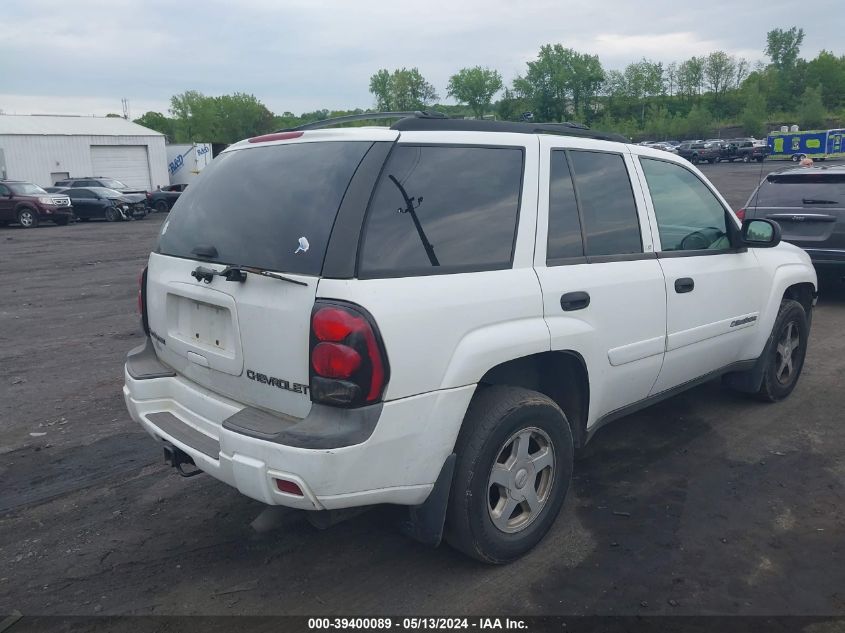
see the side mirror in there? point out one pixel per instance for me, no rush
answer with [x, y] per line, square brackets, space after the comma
[758, 233]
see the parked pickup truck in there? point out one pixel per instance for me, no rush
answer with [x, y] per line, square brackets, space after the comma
[700, 152]
[748, 150]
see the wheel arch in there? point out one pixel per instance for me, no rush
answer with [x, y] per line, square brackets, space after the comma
[560, 375]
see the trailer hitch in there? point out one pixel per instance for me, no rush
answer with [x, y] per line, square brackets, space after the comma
[178, 458]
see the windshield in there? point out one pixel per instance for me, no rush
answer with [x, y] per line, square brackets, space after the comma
[267, 207]
[25, 188]
[111, 183]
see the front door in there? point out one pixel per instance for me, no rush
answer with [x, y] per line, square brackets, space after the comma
[603, 291]
[714, 291]
[85, 204]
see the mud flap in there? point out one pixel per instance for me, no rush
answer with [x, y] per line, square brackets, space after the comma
[424, 522]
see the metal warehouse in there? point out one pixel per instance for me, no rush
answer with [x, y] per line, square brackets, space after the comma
[44, 149]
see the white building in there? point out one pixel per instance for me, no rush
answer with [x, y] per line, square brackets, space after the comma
[44, 149]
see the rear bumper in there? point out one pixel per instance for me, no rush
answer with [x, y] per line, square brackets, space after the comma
[398, 462]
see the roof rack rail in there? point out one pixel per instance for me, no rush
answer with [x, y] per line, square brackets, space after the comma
[365, 116]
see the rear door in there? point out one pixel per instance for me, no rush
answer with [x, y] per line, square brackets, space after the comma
[7, 204]
[603, 290]
[810, 208]
[270, 206]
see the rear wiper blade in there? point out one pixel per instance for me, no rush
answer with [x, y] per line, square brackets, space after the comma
[238, 273]
[815, 201]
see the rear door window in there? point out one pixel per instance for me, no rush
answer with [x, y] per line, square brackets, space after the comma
[608, 210]
[443, 209]
[564, 238]
[269, 207]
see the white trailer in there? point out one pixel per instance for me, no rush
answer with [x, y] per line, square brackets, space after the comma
[186, 161]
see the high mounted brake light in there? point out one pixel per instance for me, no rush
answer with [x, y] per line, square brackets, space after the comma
[348, 365]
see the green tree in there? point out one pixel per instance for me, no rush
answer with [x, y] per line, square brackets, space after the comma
[195, 117]
[380, 88]
[828, 71]
[753, 117]
[475, 87]
[158, 122]
[719, 73]
[402, 90]
[560, 81]
[811, 111]
[783, 47]
[691, 77]
[241, 116]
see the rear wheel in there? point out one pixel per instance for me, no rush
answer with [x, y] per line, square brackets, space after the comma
[513, 469]
[786, 351]
[760, 160]
[28, 218]
[161, 206]
[746, 158]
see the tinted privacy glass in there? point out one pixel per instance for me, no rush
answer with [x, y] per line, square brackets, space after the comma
[689, 216]
[802, 192]
[564, 238]
[255, 206]
[80, 193]
[607, 204]
[443, 209]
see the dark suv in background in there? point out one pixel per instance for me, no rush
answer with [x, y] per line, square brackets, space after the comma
[809, 205]
[98, 181]
[28, 205]
[700, 152]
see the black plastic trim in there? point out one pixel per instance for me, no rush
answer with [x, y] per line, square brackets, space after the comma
[743, 365]
[342, 250]
[700, 253]
[324, 427]
[425, 522]
[143, 364]
[178, 430]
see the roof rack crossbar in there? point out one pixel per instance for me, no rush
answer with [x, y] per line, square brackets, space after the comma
[364, 116]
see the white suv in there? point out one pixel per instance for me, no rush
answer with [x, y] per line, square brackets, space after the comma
[436, 314]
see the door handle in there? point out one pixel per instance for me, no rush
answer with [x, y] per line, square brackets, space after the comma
[574, 301]
[684, 284]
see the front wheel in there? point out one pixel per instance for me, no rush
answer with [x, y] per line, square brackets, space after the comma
[28, 218]
[112, 215]
[513, 469]
[786, 350]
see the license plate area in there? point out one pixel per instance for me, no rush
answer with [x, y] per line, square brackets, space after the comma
[204, 325]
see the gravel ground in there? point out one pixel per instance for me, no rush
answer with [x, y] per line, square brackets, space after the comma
[705, 504]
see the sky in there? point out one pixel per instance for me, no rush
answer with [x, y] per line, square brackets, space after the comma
[83, 57]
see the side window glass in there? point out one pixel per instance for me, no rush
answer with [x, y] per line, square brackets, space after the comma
[608, 210]
[440, 209]
[4, 190]
[689, 216]
[564, 238]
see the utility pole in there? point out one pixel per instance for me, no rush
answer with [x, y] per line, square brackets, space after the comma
[125, 103]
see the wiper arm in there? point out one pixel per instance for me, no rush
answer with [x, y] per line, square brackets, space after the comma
[238, 273]
[814, 201]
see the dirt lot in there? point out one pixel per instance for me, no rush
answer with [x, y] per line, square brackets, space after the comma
[705, 504]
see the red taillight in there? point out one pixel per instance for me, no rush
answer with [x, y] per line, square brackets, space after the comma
[741, 214]
[348, 363]
[279, 136]
[332, 360]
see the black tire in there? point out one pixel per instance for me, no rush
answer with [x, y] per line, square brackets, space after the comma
[161, 206]
[28, 218]
[712, 161]
[84, 219]
[495, 417]
[112, 215]
[61, 221]
[694, 159]
[776, 384]
[746, 158]
[760, 160]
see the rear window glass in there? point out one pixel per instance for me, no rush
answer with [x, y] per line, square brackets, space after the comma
[801, 191]
[269, 207]
[564, 239]
[441, 209]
